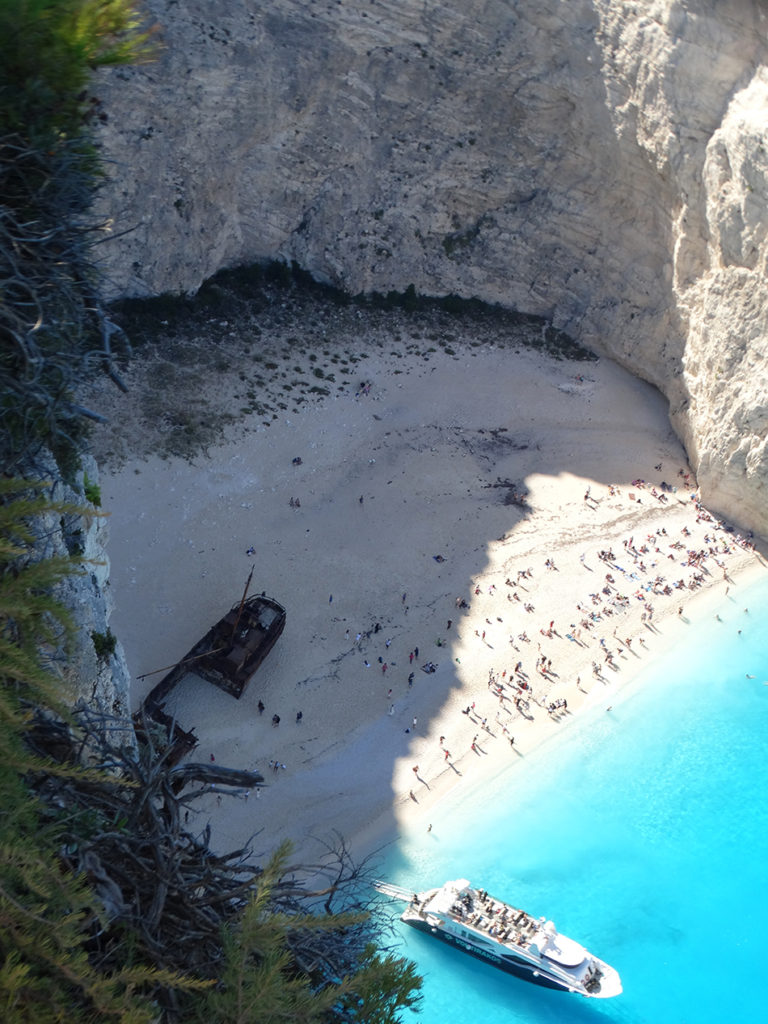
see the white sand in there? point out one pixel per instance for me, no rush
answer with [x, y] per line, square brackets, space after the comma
[424, 449]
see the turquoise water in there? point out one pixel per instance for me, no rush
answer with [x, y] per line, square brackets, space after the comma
[643, 834]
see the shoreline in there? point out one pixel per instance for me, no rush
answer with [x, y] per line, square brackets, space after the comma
[374, 836]
[436, 464]
[371, 837]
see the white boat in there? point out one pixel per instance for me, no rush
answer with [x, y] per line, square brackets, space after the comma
[506, 937]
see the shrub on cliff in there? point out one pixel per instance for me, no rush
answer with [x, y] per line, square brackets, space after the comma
[53, 328]
[46, 910]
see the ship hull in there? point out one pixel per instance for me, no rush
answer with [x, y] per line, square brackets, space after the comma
[228, 656]
[261, 620]
[508, 938]
[507, 963]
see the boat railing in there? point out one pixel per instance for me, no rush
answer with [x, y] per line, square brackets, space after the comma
[395, 892]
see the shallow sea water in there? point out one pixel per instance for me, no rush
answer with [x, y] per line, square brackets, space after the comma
[643, 833]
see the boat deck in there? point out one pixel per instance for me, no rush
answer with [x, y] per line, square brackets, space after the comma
[502, 933]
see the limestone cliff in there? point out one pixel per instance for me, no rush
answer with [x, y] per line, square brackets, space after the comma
[598, 162]
[98, 679]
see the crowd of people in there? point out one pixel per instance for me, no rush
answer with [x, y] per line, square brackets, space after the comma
[623, 599]
[610, 621]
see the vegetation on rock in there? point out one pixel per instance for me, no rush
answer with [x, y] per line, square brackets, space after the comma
[54, 330]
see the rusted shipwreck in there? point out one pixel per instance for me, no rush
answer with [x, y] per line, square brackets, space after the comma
[228, 656]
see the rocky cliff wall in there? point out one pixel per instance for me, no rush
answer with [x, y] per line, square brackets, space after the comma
[98, 680]
[601, 163]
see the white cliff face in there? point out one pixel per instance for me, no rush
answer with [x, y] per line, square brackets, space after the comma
[726, 364]
[596, 162]
[98, 681]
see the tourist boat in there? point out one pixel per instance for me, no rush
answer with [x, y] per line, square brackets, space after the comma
[506, 937]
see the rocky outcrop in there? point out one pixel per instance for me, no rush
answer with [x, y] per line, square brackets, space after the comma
[600, 163]
[93, 669]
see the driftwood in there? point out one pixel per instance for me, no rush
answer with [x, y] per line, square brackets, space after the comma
[164, 884]
[216, 775]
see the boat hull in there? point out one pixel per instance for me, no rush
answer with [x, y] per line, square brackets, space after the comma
[489, 929]
[507, 963]
[260, 622]
[228, 656]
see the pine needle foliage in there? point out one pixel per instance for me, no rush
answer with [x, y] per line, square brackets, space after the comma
[261, 983]
[50, 50]
[32, 621]
[46, 911]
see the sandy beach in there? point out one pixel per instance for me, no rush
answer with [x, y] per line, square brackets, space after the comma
[448, 508]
